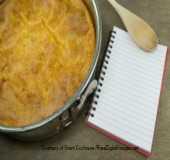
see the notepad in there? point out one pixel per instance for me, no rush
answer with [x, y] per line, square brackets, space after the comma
[126, 101]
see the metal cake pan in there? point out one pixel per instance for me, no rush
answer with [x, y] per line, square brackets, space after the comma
[68, 113]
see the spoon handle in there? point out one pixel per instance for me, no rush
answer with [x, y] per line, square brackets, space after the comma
[117, 6]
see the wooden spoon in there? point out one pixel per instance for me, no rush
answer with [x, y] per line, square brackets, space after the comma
[139, 30]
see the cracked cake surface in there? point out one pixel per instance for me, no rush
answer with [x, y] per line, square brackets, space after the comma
[46, 50]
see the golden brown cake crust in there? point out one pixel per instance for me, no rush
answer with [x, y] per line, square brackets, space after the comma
[46, 49]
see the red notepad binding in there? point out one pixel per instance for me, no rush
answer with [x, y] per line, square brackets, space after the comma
[118, 139]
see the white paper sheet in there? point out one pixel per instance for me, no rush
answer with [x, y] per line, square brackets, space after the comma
[129, 98]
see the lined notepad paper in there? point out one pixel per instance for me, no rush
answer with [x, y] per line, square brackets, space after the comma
[127, 98]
